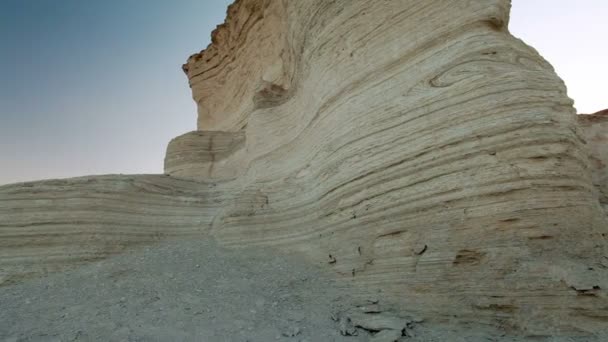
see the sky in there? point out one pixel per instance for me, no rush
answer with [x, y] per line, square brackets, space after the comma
[96, 87]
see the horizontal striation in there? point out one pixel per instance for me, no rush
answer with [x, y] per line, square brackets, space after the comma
[414, 147]
[49, 225]
[595, 131]
[205, 155]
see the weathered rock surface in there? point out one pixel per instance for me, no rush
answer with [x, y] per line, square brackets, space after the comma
[414, 147]
[595, 128]
[420, 146]
[49, 225]
[205, 155]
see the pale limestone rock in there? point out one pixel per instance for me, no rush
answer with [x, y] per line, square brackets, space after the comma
[207, 156]
[595, 129]
[49, 225]
[247, 56]
[420, 146]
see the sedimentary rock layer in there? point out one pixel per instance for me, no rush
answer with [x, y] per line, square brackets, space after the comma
[48, 225]
[256, 31]
[595, 128]
[416, 146]
[205, 155]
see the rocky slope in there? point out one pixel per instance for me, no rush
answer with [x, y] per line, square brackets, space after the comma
[412, 147]
[178, 291]
[186, 291]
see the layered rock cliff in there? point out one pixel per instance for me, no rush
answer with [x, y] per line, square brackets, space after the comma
[414, 147]
[49, 225]
[595, 128]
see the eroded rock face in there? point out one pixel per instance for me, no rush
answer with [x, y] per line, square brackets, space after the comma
[247, 56]
[414, 147]
[50, 225]
[206, 156]
[595, 128]
[419, 144]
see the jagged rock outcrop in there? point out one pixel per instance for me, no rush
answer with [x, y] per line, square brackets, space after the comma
[595, 128]
[414, 147]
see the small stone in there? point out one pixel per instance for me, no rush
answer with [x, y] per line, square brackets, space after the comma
[604, 262]
[372, 308]
[377, 322]
[295, 331]
[347, 328]
[386, 336]
[416, 319]
[373, 300]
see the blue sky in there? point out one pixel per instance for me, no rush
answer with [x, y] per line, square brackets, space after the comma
[96, 87]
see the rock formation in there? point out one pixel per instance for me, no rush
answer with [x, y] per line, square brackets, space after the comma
[415, 147]
[48, 225]
[595, 128]
[205, 155]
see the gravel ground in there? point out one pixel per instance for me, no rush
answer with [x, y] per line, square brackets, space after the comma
[178, 291]
[197, 291]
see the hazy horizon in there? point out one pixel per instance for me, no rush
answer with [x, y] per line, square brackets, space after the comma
[92, 88]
